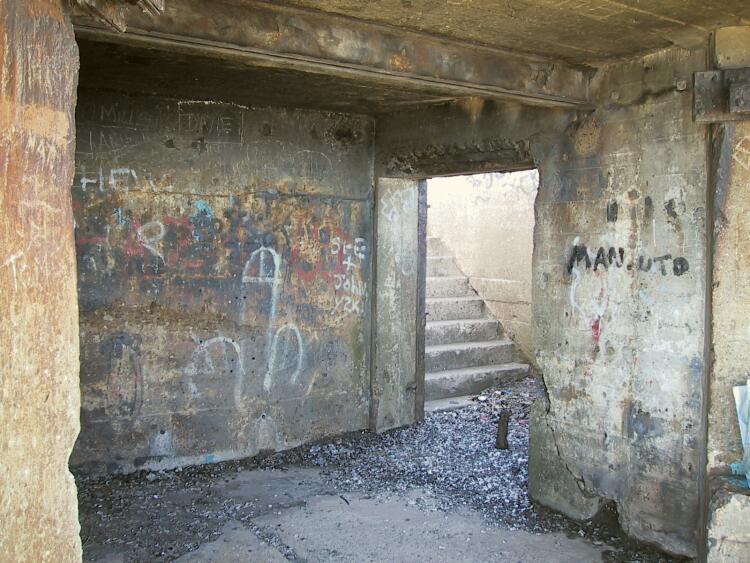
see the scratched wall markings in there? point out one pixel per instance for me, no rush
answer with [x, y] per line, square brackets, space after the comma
[235, 243]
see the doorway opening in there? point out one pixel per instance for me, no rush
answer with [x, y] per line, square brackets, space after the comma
[480, 231]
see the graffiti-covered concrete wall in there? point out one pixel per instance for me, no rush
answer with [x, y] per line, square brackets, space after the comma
[619, 284]
[224, 267]
[620, 304]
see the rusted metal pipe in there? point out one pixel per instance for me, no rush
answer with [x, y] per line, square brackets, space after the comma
[501, 442]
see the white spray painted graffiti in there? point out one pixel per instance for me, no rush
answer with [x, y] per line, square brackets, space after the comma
[349, 289]
[202, 364]
[395, 204]
[576, 273]
[85, 181]
[351, 251]
[398, 205]
[121, 174]
[592, 307]
[269, 274]
[281, 353]
[151, 235]
[266, 274]
[349, 284]
[285, 346]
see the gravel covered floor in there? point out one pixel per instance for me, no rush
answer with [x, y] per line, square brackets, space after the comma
[450, 461]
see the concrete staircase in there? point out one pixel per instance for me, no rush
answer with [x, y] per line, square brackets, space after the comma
[465, 351]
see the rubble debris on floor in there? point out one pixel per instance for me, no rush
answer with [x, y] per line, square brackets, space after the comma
[439, 488]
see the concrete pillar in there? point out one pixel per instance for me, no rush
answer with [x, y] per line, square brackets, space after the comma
[39, 395]
[729, 505]
[397, 379]
[731, 286]
[619, 301]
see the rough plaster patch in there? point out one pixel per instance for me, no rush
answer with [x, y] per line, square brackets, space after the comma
[586, 136]
[729, 532]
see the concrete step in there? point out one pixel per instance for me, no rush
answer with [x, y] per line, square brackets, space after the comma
[452, 308]
[436, 247]
[471, 381]
[461, 330]
[467, 354]
[449, 404]
[449, 286]
[442, 266]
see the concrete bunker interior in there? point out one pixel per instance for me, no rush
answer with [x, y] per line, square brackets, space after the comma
[243, 248]
[226, 243]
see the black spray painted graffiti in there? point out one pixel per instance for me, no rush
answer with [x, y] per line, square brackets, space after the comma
[616, 257]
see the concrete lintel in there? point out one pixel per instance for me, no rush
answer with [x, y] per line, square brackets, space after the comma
[280, 37]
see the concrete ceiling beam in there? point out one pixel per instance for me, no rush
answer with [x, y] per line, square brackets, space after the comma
[114, 13]
[265, 35]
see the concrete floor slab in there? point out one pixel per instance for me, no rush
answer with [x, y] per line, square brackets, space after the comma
[237, 544]
[438, 491]
[361, 528]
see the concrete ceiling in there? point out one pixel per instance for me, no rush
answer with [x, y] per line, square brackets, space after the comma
[381, 56]
[577, 31]
[152, 72]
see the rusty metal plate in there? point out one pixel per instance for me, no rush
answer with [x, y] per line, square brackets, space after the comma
[722, 95]
[739, 98]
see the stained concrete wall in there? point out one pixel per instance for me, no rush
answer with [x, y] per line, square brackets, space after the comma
[487, 221]
[619, 304]
[731, 282]
[728, 533]
[398, 372]
[728, 537]
[619, 274]
[224, 265]
[39, 401]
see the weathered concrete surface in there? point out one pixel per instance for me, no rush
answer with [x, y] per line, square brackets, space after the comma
[224, 258]
[728, 530]
[487, 222]
[731, 47]
[370, 529]
[278, 37]
[619, 304]
[466, 137]
[396, 381]
[39, 400]
[619, 334]
[729, 508]
[237, 544]
[299, 516]
[584, 31]
[198, 76]
[113, 13]
[731, 283]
